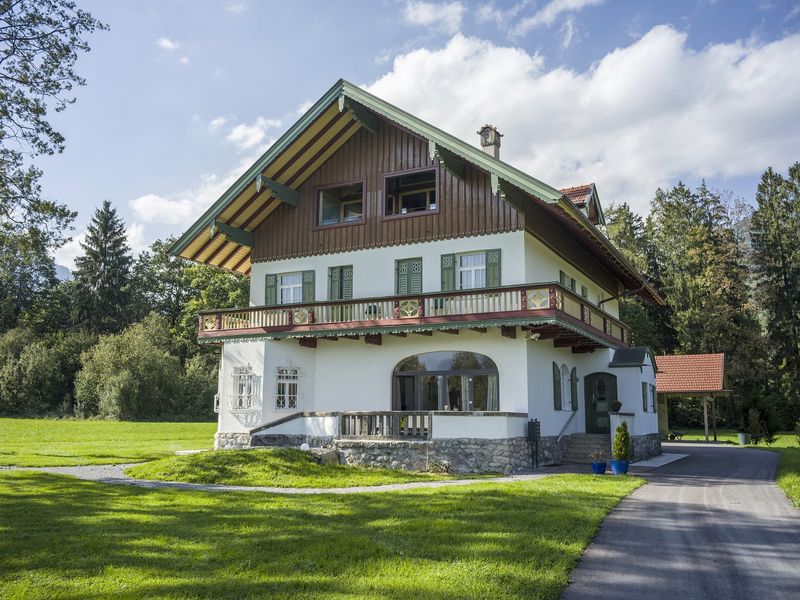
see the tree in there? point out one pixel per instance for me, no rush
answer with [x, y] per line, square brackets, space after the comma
[26, 273]
[136, 375]
[649, 324]
[40, 41]
[776, 259]
[103, 274]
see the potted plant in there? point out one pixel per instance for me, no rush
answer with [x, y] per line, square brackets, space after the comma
[598, 462]
[621, 450]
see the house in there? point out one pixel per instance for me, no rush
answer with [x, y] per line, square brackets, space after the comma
[698, 377]
[416, 300]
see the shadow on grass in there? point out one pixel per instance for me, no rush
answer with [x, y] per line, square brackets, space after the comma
[63, 537]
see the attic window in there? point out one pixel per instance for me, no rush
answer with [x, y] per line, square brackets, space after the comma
[341, 204]
[410, 193]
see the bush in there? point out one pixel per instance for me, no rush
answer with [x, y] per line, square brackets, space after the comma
[621, 449]
[131, 375]
[37, 375]
[757, 428]
[198, 388]
[797, 431]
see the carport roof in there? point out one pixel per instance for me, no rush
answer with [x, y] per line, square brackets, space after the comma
[691, 374]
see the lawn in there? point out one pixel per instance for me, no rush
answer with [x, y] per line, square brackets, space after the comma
[43, 442]
[65, 538]
[785, 443]
[284, 467]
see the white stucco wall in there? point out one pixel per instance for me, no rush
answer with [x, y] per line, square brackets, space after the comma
[477, 427]
[542, 264]
[352, 375]
[373, 269]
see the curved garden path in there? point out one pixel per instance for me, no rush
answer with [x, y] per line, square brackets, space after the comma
[115, 474]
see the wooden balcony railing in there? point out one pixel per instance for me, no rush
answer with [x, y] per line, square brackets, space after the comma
[534, 300]
[387, 425]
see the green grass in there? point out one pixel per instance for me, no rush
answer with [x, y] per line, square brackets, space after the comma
[43, 442]
[65, 538]
[284, 467]
[786, 444]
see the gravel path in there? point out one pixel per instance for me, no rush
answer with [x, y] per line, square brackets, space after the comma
[713, 525]
[115, 474]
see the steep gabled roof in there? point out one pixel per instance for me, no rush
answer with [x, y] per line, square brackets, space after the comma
[223, 236]
[690, 374]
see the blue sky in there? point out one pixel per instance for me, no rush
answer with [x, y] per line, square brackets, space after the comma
[183, 95]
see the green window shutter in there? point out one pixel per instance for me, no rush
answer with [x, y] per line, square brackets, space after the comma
[653, 398]
[415, 276]
[562, 278]
[644, 396]
[573, 385]
[448, 272]
[308, 286]
[401, 277]
[585, 292]
[556, 387]
[271, 290]
[334, 283]
[347, 282]
[493, 268]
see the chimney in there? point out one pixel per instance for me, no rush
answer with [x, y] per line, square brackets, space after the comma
[490, 140]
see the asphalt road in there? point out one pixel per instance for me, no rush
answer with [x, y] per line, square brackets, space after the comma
[713, 525]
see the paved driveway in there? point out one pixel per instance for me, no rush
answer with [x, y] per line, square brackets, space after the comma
[713, 525]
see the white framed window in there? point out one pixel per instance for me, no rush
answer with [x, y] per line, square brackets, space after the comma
[471, 270]
[290, 288]
[245, 385]
[286, 385]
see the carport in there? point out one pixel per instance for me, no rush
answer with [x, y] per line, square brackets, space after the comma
[698, 377]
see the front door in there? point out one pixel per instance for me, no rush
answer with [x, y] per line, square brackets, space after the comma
[601, 392]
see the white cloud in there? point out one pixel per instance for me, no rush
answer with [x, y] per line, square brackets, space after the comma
[641, 117]
[67, 254]
[548, 14]
[235, 8]
[445, 17]
[568, 32]
[246, 136]
[183, 207]
[303, 108]
[136, 237]
[184, 60]
[167, 44]
[216, 123]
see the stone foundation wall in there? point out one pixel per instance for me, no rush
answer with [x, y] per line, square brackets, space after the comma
[231, 441]
[293, 440]
[460, 455]
[552, 451]
[645, 446]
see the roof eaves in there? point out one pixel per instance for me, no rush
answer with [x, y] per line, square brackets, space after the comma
[258, 166]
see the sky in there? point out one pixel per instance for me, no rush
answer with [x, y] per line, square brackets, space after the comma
[183, 95]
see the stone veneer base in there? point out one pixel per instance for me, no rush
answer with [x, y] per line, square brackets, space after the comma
[645, 446]
[459, 455]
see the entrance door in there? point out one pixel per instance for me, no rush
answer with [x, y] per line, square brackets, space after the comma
[601, 392]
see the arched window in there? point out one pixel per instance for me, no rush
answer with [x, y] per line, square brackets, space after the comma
[459, 381]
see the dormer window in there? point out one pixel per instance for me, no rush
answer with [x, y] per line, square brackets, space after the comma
[410, 193]
[341, 204]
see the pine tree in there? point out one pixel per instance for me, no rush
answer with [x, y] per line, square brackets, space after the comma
[102, 274]
[776, 259]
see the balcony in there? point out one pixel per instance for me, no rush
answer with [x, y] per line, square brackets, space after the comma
[544, 311]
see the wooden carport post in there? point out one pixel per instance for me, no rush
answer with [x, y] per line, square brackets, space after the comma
[705, 415]
[714, 417]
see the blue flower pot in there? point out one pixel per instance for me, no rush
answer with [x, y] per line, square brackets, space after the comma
[598, 468]
[619, 467]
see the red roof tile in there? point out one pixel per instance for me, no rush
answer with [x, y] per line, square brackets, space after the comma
[579, 194]
[690, 373]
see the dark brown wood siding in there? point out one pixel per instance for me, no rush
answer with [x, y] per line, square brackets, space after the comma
[466, 207]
